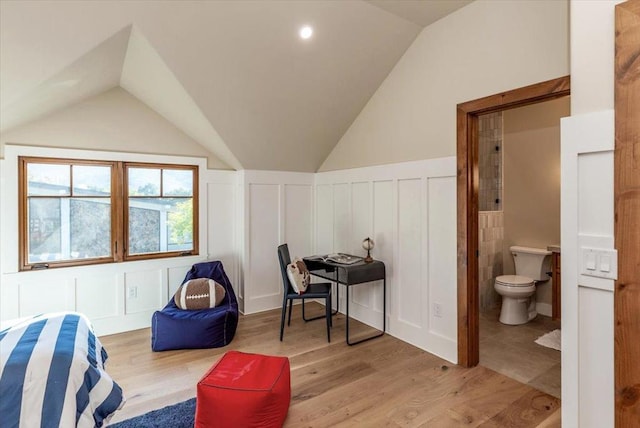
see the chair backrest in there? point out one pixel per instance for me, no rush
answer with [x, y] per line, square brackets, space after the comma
[215, 271]
[285, 259]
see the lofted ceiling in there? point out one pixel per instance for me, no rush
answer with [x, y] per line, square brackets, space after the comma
[232, 75]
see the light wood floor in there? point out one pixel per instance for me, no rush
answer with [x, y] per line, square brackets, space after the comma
[383, 382]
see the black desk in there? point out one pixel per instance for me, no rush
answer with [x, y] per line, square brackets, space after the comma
[349, 275]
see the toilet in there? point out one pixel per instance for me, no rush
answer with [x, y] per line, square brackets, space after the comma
[518, 291]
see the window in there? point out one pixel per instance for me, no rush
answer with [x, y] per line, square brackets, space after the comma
[77, 212]
[159, 209]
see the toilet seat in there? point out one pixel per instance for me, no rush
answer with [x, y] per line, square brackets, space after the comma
[514, 281]
[516, 292]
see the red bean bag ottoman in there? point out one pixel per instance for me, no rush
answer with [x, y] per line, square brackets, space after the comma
[244, 390]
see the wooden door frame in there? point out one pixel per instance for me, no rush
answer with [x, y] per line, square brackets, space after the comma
[467, 200]
[626, 192]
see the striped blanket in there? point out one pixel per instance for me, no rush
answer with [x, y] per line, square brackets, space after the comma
[52, 374]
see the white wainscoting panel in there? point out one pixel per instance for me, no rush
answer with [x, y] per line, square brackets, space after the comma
[442, 244]
[99, 292]
[175, 276]
[298, 219]
[222, 222]
[324, 227]
[341, 217]
[144, 291]
[278, 209]
[56, 295]
[595, 181]
[587, 302]
[97, 296]
[362, 215]
[360, 228]
[595, 308]
[384, 215]
[264, 209]
[408, 209]
[411, 301]
[324, 219]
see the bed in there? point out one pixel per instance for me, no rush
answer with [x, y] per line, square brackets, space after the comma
[52, 374]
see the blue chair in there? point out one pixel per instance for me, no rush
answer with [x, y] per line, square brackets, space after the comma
[175, 328]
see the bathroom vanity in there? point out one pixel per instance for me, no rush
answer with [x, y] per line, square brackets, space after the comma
[556, 282]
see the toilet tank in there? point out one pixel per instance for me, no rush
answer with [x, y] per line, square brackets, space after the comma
[533, 263]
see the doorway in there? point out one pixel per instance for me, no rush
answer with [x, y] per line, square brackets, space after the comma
[519, 206]
[468, 203]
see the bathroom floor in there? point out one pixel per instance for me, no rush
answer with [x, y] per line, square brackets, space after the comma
[511, 351]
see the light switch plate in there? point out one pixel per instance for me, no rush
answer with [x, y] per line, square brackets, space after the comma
[590, 259]
[599, 262]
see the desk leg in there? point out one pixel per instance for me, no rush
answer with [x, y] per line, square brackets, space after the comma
[384, 303]
[384, 315]
[337, 311]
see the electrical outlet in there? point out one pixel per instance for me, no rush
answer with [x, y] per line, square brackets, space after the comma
[133, 292]
[437, 310]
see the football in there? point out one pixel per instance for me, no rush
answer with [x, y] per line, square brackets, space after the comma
[199, 293]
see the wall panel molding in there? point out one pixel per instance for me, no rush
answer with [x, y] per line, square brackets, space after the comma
[393, 204]
[587, 220]
[278, 208]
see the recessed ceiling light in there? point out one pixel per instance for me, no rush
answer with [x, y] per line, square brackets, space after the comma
[306, 32]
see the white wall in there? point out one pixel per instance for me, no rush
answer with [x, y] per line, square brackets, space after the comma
[481, 49]
[408, 209]
[105, 292]
[278, 209]
[587, 218]
[114, 121]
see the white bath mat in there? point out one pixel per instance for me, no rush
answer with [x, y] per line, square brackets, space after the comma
[550, 340]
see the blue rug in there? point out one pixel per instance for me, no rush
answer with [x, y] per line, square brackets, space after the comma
[181, 415]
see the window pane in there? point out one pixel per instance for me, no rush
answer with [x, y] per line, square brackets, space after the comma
[48, 180]
[143, 181]
[177, 182]
[90, 227]
[144, 226]
[44, 230]
[69, 229]
[160, 225]
[91, 180]
[180, 225]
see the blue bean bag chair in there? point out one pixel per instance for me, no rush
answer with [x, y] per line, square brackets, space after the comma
[175, 328]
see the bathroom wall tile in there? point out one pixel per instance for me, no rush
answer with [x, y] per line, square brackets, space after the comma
[490, 161]
[490, 258]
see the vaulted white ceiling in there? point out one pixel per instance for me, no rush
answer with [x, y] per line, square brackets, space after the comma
[233, 75]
